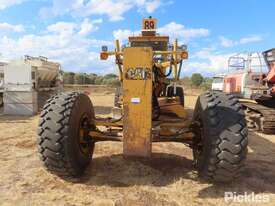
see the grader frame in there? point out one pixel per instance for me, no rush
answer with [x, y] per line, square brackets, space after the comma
[136, 65]
[149, 109]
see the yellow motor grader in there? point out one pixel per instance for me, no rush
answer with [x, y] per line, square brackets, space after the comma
[149, 108]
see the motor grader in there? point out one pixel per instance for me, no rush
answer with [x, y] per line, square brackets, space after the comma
[149, 109]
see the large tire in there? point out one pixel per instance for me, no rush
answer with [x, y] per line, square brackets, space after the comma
[1, 100]
[59, 145]
[220, 143]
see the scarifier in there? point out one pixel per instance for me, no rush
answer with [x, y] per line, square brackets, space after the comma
[149, 108]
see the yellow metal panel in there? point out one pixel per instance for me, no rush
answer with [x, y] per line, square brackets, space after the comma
[148, 38]
[172, 106]
[175, 109]
[137, 101]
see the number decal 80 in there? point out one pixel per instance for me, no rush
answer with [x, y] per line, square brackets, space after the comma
[149, 24]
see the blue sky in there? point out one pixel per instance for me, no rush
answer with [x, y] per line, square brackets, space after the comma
[72, 31]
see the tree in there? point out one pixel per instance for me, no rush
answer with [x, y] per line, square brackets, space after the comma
[68, 77]
[207, 82]
[79, 78]
[111, 82]
[110, 76]
[196, 79]
[92, 78]
[99, 80]
[186, 81]
[84, 78]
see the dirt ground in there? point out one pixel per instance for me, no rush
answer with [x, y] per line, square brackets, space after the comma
[167, 179]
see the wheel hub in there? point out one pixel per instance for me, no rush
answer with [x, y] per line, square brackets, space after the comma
[83, 138]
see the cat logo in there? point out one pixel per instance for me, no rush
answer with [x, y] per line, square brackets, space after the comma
[138, 73]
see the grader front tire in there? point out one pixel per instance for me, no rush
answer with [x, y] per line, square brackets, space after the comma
[61, 134]
[220, 145]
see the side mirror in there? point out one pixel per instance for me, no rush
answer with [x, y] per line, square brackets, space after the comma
[183, 47]
[104, 48]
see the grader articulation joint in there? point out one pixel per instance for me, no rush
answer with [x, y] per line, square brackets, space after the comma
[149, 108]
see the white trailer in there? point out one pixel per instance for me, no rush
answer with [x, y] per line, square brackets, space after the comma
[29, 82]
[218, 82]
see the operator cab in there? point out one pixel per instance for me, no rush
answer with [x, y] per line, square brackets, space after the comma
[269, 55]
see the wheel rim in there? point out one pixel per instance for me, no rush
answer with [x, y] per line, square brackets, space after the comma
[84, 140]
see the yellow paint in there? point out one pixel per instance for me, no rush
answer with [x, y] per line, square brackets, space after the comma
[175, 56]
[118, 59]
[172, 105]
[135, 65]
[137, 118]
[171, 128]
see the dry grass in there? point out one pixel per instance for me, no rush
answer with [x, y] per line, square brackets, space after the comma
[166, 179]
